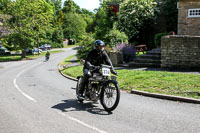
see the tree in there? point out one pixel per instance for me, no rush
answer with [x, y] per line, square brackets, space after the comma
[57, 4]
[74, 26]
[71, 6]
[4, 4]
[30, 19]
[102, 22]
[88, 18]
[57, 36]
[133, 14]
[85, 45]
[60, 17]
[170, 12]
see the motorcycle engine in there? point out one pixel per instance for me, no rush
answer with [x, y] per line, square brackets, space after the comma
[94, 91]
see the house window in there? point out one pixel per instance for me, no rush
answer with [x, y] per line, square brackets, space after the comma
[194, 13]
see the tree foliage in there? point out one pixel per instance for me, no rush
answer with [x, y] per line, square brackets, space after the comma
[115, 37]
[102, 22]
[88, 17]
[4, 4]
[47, 21]
[170, 12]
[30, 19]
[133, 14]
[74, 26]
[60, 18]
[71, 7]
[57, 4]
[86, 45]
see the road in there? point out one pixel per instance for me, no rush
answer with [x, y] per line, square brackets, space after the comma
[35, 98]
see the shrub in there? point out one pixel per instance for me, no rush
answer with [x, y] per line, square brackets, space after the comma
[115, 37]
[129, 51]
[157, 39]
[57, 35]
[56, 45]
[85, 46]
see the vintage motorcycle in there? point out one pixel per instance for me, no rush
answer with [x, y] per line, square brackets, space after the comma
[101, 86]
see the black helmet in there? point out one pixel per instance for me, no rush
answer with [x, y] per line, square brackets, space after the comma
[98, 43]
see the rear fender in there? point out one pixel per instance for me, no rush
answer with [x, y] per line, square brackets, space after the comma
[78, 77]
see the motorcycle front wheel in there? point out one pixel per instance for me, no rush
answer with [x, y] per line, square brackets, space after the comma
[110, 96]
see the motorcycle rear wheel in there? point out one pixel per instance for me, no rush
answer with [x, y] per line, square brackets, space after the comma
[110, 96]
[78, 88]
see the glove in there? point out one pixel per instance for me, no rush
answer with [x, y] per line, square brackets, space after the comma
[97, 67]
[114, 72]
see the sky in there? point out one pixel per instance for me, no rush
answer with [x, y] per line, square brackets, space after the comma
[87, 4]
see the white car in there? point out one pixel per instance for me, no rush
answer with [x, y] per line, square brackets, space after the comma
[45, 47]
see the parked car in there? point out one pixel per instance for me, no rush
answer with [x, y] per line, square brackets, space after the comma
[45, 47]
[36, 51]
[4, 51]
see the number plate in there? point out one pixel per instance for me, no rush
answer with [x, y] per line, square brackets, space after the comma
[106, 71]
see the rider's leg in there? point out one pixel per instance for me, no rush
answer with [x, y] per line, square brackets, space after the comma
[86, 76]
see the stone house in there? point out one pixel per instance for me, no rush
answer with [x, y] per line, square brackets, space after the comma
[183, 50]
[189, 17]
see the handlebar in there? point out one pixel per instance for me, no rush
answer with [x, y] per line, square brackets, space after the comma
[107, 66]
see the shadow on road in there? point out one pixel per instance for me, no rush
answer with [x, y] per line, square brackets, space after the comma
[74, 105]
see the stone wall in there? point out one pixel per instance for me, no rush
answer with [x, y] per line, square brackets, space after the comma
[188, 25]
[116, 58]
[180, 51]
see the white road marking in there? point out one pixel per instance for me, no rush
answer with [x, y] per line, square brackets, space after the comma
[82, 123]
[17, 87]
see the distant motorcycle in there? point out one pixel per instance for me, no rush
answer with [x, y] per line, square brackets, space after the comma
[46, 58]
[47, 55]
[101, 86]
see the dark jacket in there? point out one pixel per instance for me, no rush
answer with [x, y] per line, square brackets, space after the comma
[96, 58]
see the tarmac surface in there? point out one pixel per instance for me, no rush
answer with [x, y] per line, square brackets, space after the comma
[155, 95]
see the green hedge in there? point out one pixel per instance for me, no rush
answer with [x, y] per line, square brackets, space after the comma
[157, 38]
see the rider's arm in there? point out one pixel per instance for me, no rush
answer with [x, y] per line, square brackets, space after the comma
[88, 64]
[107, 60]
[88, 60]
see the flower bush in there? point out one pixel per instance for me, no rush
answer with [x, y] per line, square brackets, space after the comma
[129, 51]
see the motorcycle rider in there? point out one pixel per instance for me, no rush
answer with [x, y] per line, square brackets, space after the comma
[47, 55]
[94, 59]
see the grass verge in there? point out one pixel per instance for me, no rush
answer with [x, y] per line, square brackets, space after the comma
[178, 84]
[68, 60]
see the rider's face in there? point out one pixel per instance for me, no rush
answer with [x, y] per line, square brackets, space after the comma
[100, 48]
